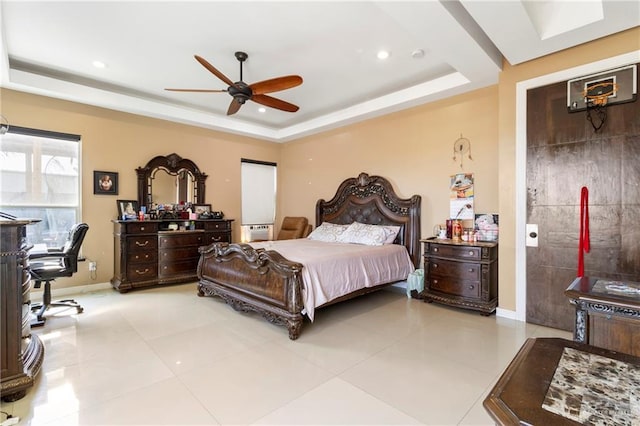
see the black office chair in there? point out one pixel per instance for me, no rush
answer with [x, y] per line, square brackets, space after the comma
[56, 263]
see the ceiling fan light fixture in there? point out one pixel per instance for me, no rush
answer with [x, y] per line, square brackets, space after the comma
[242, 92]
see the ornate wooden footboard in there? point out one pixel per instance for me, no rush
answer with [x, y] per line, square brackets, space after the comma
[265, 282]
[253, 280]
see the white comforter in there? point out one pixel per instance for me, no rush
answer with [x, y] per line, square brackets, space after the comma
[332, 270]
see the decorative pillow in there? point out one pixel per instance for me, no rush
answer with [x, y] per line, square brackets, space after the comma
[371, 235]
[393, 233]
[328, 232]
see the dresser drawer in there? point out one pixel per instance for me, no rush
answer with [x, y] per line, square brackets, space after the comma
[142, 271]
[457, 252]
[149, 242]
[217, 225]
[179, 268]
[217, 237]
[182, 239]
[178, 254]
[455, 287]
[142, 227]
[455, 270]
[143, 256]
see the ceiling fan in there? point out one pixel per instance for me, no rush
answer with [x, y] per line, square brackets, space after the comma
[242, 92]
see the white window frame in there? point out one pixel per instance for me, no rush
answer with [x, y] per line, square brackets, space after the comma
[54, 227]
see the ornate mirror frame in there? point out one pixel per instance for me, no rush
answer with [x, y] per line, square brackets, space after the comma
[173, 163]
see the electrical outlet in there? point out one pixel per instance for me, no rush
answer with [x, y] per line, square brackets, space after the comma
[92, 266]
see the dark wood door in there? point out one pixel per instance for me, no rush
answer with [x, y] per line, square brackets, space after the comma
[564, 153]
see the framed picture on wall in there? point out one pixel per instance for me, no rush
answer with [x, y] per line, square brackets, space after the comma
[105, 183]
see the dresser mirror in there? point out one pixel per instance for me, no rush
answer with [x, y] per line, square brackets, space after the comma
[170, 179]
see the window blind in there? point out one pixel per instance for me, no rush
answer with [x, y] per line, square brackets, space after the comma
[258, 182]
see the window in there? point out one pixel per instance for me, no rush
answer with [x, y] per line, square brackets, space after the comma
[258, 192]
[40, 178]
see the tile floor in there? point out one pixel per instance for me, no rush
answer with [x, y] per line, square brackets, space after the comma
[167, 357]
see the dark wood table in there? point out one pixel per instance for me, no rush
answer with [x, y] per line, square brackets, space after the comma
[517, 397]
[606, 315]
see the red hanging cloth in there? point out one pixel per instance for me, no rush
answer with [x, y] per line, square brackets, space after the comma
[583, 245]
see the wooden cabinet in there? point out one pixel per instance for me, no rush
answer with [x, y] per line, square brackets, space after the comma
[21, 353]
[461, 274]
[148, 253]
[607, 313]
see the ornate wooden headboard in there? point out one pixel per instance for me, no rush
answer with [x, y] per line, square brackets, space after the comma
[372, 200]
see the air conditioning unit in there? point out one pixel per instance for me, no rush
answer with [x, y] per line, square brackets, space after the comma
[251, 233]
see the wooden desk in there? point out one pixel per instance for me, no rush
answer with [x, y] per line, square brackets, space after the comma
[606, 316]
[518, 395]
[21, 353]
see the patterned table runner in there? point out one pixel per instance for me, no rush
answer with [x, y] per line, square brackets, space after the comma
[594, 390]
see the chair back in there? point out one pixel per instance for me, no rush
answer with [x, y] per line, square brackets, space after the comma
[293, 227]
[71, 248]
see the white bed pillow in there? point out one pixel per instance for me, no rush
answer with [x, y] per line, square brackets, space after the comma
[371, 235]
[327, 232]
[393, 233]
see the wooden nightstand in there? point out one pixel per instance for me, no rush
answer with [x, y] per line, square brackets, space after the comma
[461, 274]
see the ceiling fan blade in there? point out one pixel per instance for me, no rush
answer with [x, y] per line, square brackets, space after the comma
[233, 107]
[276, 84]
[213, 70]
[196, 90]
[274, 103]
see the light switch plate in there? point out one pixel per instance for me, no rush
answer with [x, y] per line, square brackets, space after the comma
[532, 235]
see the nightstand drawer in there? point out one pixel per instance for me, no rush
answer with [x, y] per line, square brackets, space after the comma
[457, 252]
[454, 287]
[455, 270]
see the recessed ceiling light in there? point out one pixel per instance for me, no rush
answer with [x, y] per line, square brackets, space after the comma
[417, 54]
[99, 64]
[383, 54]
[262, 109]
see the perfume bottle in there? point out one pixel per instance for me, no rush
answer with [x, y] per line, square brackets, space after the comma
[456, 230]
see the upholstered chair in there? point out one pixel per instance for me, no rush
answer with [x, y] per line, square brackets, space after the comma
[294, 227]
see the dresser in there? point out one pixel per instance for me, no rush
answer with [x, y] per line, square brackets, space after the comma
[151, 252]
[461, 274]
[21, 353]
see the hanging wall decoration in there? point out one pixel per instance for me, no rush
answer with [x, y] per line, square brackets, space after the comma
[461, 147]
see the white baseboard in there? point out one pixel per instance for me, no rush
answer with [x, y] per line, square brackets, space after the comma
[58, 293]
[506, 313]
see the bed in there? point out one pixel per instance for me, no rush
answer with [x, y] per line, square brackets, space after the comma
[257, 277]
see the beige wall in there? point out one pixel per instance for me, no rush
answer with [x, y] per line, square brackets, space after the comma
[121, 142]
[413, 148]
